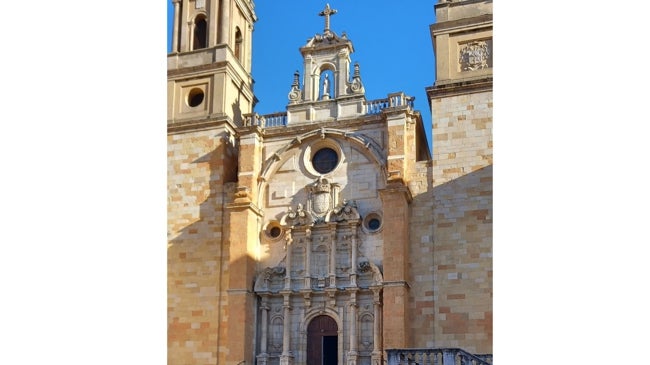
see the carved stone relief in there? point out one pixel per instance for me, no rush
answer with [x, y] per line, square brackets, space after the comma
[475, 55]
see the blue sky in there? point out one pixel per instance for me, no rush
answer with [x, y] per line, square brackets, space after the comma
[392, 45]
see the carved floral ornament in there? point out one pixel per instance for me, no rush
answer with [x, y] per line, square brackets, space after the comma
[474, 55]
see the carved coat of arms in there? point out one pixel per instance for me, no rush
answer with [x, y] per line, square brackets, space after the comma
[320, 197]
[474, 56]
[321, 203]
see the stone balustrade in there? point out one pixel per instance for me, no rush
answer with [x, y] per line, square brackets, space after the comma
[376, 106]
[266, 120]
[393, 100]
[437, 356]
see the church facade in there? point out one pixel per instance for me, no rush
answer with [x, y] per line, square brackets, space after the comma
[330, 233]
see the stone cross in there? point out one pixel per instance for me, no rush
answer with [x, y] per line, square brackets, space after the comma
[326, 13]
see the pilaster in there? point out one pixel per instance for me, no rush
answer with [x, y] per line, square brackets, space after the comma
[244, 226]
[396, 198]
[397, 125]
[250, 160]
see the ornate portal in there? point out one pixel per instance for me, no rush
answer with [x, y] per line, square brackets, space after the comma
[322, 279]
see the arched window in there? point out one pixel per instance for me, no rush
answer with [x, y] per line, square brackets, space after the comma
[238, 44]
[200, 32]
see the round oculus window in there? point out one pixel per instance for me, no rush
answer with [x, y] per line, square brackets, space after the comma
[195, 97]
[325, 160]
[275, 232]
[374, 224]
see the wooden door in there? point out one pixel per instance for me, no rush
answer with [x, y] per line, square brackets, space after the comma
[322, 341]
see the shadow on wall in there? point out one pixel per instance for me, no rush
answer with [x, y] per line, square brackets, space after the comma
[462, 236]
[197, 255]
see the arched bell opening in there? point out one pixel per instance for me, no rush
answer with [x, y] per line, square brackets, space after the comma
[200, 32]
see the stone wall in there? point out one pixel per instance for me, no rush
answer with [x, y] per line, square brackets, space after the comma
[421, 256]
[462, 213]
[199, 165]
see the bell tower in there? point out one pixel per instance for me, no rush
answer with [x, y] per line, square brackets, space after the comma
[209, 66]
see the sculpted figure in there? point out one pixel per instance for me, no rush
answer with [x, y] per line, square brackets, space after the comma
[326, 85]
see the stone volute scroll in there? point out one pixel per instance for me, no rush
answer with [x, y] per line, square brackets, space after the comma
[295, 94]
[347, 211]
[366, 266]
[356, 86]
[263, 281]
[298, 217]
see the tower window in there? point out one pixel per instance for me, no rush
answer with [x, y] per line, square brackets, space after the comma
[195, 97]
[238, 44]
[200, 32]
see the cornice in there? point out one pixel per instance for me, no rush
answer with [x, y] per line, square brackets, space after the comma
[481, 21]
[297, 129]
[459, 87]
[248, 9]
[192, 124]
[196, 70]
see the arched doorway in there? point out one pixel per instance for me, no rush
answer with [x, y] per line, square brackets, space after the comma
[322, 341]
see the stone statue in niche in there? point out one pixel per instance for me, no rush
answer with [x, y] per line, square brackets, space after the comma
[326, 87]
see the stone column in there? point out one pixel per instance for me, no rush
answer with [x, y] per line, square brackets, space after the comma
[213, 23]
[308, 246]
[286, 358]
[177, 18]
[190, 39]
[287, 276]
[262, 358]
[224, 28]
[184, 27]
[332, 273]
[376, 330]
[353, 262]
[352, 354]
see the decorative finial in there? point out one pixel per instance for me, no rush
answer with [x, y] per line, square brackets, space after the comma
[294, 93]
[326, 13]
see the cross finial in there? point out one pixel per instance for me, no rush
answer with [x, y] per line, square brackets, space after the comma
[326, 13]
